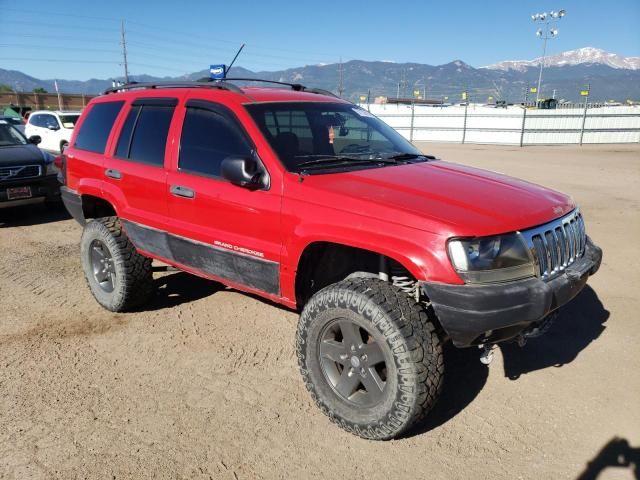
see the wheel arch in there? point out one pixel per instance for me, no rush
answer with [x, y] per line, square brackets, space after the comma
[321, 263]
[96, 207]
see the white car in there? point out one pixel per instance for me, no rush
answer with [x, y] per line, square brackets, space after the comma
[53, 127]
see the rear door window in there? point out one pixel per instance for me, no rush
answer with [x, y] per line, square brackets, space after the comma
[144, 134]
[97, 125]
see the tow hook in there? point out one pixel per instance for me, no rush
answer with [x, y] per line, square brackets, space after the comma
[486, 357]
[537, 330]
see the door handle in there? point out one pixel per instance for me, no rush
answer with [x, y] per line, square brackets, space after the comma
[180, 191]
[110, 172]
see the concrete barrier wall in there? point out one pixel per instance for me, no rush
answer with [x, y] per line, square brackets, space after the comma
[513, 125]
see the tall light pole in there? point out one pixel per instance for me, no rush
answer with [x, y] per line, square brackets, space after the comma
[545, 33]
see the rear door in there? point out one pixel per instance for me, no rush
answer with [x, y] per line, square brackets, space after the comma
[135, 170]
[223, 230]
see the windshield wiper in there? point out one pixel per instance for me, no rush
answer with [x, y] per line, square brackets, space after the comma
[338, 159]
[409, 156]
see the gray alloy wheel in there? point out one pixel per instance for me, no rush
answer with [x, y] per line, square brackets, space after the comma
[352, 362]
[104, 272]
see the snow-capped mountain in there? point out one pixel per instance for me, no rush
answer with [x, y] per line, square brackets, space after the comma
[587, 55]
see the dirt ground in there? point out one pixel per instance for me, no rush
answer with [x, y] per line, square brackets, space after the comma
[204, 384]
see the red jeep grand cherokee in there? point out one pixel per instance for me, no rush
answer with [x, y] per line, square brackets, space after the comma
[312, 202]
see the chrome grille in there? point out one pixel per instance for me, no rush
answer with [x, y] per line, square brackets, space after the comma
[19, 171]
[557, 244]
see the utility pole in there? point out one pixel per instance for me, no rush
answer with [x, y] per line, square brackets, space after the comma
[424, 89]
[341, 80]
[124, 54]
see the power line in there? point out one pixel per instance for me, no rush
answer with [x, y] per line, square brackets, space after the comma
[53, 25]
[41, 47]
[155, 28]
[53, 37]
[58, 60]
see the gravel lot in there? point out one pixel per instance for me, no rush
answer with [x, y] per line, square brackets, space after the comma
[204, 384]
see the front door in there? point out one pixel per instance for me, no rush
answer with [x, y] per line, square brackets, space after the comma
[228, 232]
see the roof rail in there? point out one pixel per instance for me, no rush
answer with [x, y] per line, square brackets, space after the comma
[294, 86]
[212, 83]
[185, 84]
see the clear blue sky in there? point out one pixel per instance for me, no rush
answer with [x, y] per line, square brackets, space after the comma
[80, 39]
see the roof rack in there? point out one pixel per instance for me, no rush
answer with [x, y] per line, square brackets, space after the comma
[212, 83]
[186, 84]
[294, 86]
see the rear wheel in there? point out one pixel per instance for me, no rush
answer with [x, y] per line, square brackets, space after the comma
[370, 357]
[118, 276]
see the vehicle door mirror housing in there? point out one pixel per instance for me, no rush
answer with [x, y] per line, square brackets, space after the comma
[53, 128]
[35, 139]
[244, 171]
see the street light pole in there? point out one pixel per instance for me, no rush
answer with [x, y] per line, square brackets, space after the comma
[544, 56]
[545, 33]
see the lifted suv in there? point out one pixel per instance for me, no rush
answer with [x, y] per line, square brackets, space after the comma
[314, 203]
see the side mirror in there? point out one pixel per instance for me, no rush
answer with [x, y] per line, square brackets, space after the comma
[53, 128]
[243, 171]
[35, 139]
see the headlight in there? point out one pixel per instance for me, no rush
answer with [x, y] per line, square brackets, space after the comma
[491, 259]
[50, 169]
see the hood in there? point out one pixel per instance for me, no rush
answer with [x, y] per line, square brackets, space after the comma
[22, 155]
[441, 197]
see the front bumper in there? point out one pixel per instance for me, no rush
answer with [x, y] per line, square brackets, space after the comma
[474, 314]
[46, 187]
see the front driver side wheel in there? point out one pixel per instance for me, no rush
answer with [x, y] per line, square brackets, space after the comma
[370, 357]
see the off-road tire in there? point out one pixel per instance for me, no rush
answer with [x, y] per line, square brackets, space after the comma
[133, 282]
[409, 338]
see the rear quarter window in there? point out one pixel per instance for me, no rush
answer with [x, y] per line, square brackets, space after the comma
[97, 125]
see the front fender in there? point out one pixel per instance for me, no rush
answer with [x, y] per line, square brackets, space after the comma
[423, 254]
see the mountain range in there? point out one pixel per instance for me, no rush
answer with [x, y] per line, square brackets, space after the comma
[587, 55]
[610, 76]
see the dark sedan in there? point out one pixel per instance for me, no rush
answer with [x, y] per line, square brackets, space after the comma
[27, 174]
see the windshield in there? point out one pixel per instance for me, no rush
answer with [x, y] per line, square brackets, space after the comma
[69, 121]
[14, 120]
[306, 132]
[10, 136]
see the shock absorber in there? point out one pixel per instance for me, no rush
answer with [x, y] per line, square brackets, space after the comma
[400, 278]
